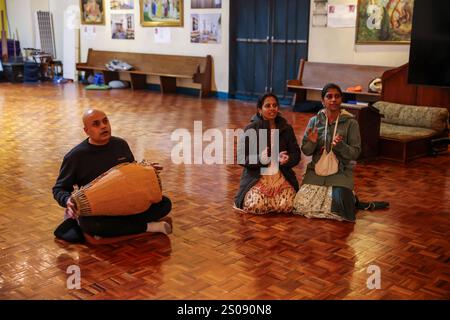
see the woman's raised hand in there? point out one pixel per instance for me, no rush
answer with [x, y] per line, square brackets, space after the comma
[312, 134]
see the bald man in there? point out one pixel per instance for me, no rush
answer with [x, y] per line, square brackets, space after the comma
[95, 155]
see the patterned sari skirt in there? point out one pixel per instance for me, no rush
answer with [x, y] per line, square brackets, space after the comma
[325, 202]
[272, 193]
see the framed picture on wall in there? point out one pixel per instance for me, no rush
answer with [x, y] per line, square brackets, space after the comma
[92, 11]
[206, 28]
[122, 26]
[206, 4]
[384, 21]
[121, 4]
[161, 13]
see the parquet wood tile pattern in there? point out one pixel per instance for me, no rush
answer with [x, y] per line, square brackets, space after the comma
[214, 252]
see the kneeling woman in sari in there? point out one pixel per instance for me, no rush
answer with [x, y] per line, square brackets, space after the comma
[269, 184]
[332, 133]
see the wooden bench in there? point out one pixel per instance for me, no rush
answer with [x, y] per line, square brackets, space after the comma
[314, 75]
[167, 67]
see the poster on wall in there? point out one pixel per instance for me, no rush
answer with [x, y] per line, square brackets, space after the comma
[341, 16]
[92, 11]
[121, 4]
[206, 4]
[384, 21]
[161, 13]
[122, 26]
[206, 28]
[90, 33]
[319, 14]
[162, 35]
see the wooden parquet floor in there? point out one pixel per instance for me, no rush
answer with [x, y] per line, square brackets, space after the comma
[214, 252]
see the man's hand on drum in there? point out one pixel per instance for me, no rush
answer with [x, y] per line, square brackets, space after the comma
[71, 209]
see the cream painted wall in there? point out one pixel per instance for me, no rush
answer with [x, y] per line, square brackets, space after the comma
[57, 7]
[21, 18]
[337, 45]
[66, 33]
[179, 45]
[22, 15]
[38, 5]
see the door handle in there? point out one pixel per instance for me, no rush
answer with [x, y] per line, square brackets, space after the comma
[252, 40]
[290, 41]
[259, 40]
[273, 40]
[297, 41]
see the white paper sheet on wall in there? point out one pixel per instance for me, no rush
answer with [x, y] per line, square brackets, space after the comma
[162, 35]
[90, 33]
[341, 15]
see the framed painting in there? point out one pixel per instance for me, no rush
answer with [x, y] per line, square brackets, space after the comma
[161, 13]
[384, 21]
[206, 28]
[122, 26]
[206, 4]
[92, 11]
[121, 4]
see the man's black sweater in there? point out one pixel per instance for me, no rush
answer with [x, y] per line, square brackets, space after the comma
[86, 162]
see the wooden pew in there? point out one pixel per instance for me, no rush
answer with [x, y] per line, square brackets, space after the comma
[314, 75]
[167, 67]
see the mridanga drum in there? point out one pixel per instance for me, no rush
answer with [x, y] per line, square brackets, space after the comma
[125, 189]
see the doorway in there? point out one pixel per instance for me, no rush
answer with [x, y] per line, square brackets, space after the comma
[267, 40]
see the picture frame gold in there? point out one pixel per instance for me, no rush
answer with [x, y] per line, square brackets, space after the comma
[159, 13]
[92, 12]
[384, 22]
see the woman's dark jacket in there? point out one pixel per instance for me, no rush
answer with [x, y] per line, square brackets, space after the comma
[252, 172]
